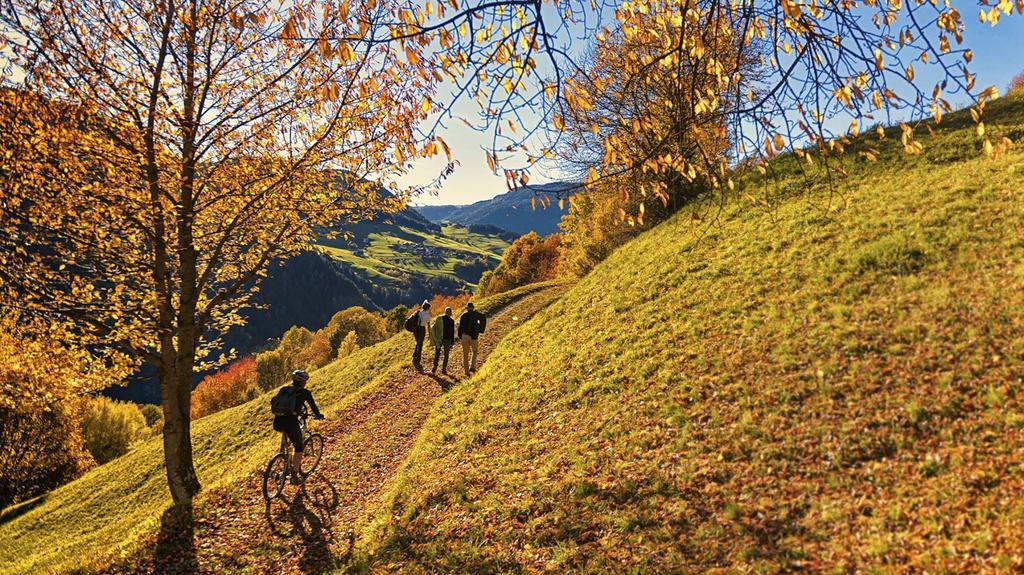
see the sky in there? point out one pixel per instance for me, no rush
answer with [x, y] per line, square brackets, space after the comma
[998, 57]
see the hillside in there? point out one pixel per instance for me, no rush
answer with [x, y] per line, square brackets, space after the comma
[831, 384]
[404, 263]
[374, 405]
[509, 211]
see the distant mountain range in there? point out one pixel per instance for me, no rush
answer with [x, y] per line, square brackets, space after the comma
[509, 211]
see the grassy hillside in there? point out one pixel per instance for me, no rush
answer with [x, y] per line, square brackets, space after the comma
[104, 514]
[389, 254]
[829, 384]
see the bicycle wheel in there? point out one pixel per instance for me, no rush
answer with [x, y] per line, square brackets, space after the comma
[312, 451]
[275, 476]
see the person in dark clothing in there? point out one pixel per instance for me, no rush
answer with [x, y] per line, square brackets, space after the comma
[471, 324]
[289, 424]
[442, 337]
[422, 325]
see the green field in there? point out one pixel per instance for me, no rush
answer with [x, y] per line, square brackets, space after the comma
[389, 254]
[824, 380]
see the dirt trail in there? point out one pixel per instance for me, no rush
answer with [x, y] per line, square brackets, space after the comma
[308, 529]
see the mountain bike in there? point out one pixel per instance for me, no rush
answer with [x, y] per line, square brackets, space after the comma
[275, 477]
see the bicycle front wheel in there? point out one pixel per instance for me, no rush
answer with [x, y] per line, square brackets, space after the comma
[275, 476]
[312, 451]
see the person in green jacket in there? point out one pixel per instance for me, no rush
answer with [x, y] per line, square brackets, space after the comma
[442, 337]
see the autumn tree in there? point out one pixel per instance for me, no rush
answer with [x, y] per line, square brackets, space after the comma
[529, 259]
[157, 155]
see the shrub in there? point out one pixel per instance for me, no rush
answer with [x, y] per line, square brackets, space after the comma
[110, 428]
[1017, 84]
[317, 353]
[39, 450]
[295, 340]
[529, 259]
[227, 388]
[154, 417]
[349, 345]
[456, 302]
[369, 327]
[394, 318]
[272, 369]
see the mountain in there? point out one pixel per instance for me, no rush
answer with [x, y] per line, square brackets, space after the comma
[509, 211]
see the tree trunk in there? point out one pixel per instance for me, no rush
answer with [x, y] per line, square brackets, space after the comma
[181, 473]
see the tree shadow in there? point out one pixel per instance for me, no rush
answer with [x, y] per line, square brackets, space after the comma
[175, 550]
[20, 509]
[309, 516]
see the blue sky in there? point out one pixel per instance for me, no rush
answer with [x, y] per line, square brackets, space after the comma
[998, 56]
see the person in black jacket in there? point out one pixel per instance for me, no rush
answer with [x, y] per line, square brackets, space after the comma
[289, 424]
[471, 324]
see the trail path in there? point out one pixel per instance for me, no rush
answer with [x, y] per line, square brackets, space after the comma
[308, 529]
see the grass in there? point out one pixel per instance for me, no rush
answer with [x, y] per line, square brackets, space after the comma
[831, 383]
[103, 515]
[386, 256]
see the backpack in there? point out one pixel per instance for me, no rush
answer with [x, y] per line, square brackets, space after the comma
[285, 402]
[412, 322]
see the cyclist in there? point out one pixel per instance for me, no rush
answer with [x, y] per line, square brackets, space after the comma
[287, 405]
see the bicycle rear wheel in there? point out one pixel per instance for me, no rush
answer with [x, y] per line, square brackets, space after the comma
[275, 476]
[312, 451]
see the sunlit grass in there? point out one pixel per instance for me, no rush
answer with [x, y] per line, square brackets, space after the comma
[830, 383]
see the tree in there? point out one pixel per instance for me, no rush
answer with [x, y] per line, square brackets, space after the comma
[529, 259]
[158, 155]
[369, 327]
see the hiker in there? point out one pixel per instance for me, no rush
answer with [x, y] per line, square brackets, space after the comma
[287, 405]
[418, 323]
[442, 337]
[471, 325]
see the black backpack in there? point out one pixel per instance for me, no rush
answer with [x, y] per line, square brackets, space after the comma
[286, 402]
[412, 322]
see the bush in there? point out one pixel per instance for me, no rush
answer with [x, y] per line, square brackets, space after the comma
[394, 318]
[349, 345]
[272, 369]
[1017, 84]
[528, 260]
[456, 302]
[110, 428]
[39, 450]
[227, 388]
[317, 353]
[369, 327]
[154, 417]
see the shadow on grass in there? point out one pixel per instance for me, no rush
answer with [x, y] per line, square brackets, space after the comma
[175, 550]
[308, 515]
[19, 509]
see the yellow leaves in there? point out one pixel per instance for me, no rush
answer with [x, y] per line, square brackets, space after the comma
[330, 91]
[990, 93]
[425, 106]
[981, 129]
[910, 145]
[879, 62]
[910, 73]
[413, 55]
[558, 122]
[854, 130]
[290, 30]
[779, 142]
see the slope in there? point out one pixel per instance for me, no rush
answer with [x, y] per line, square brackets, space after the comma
[510, 211]
[448, 258]
[115, 510]
[829, 384]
